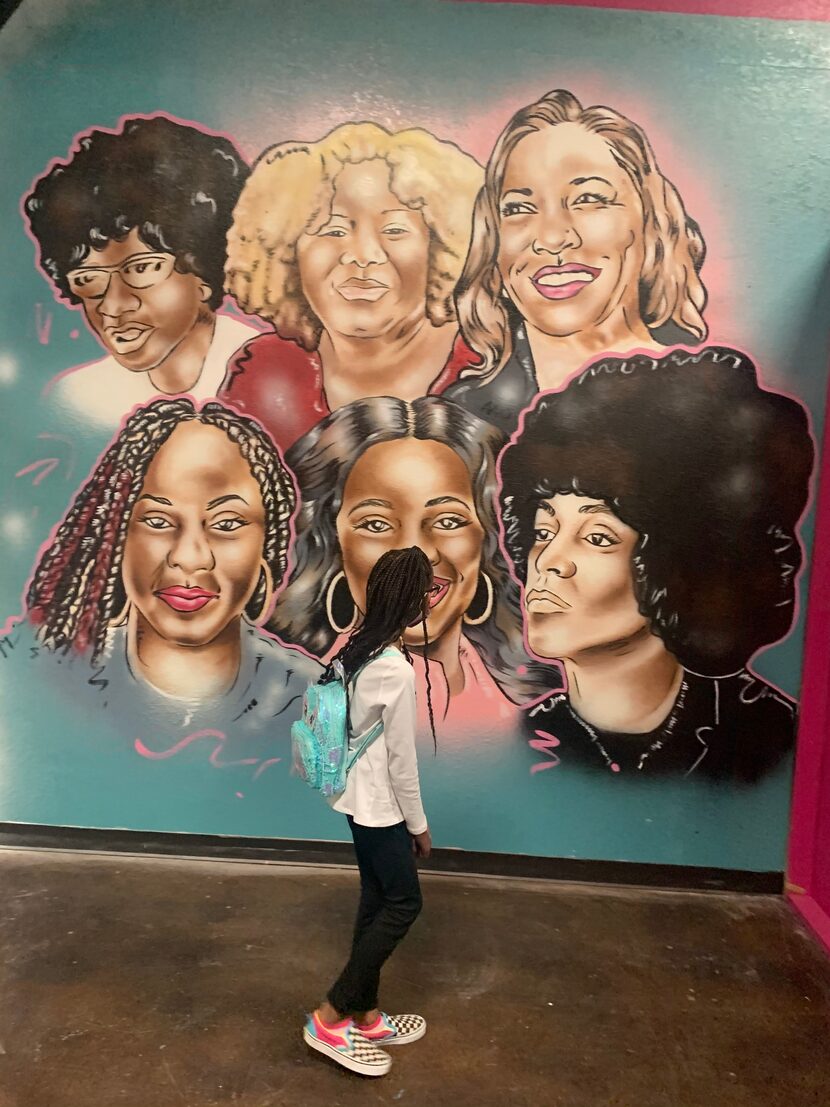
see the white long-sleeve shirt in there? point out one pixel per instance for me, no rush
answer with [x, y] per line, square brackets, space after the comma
[382, 788]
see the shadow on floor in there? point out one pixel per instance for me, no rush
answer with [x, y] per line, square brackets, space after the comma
[135, 982]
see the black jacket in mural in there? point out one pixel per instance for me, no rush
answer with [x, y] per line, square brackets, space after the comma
[734, 728]
[499, 399]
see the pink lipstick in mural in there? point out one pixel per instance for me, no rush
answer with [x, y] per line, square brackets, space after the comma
[186, 599]
[440, 587]
[561, 282]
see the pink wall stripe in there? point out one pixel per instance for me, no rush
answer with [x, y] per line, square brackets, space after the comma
[814, 711]
[818, 10]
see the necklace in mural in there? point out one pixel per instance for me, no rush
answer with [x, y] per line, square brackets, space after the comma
[664, 735]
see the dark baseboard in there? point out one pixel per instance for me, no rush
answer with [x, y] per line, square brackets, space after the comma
[565, 869]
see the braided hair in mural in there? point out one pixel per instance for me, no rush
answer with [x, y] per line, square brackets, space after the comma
[77, 589]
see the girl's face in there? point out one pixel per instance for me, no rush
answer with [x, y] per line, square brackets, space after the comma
[570, 231]
[194, 547]
[413, 493]
[579, 592]
[365, 271]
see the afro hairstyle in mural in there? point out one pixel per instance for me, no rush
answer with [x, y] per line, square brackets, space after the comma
[174, 183]
[710, 469]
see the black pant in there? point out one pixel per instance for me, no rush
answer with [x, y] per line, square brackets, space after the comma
[390, 901]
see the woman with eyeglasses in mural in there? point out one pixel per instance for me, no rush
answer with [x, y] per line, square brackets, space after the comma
[580, 247]
[132, 229]
[383, 473]
[351, 247]
[651, 511]
[165, 566]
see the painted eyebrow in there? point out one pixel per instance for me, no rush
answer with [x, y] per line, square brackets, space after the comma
[596, 509]
[144, 255]
[370, 503]
[393, 211]
[446, 500]
[224, 499]
[584, 180]
[543, 505]
[156, 499]
[520, 191]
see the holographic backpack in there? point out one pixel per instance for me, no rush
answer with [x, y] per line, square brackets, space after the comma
[323, 748]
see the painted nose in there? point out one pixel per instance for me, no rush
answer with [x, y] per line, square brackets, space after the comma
[365, 249]
[191, 552]
[557, 233]
[118, 299]
[553, 558]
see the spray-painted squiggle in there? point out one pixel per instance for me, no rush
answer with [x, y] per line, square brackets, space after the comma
[544, 743]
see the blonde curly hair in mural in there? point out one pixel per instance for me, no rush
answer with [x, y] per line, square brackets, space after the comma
[290, 192]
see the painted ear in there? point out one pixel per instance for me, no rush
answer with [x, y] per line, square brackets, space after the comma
[205, 292]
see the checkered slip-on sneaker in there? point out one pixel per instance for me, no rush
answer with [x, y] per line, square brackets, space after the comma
[344, 1045]
[394, 1029]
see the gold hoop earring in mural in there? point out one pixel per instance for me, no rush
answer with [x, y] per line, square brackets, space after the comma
[331, 601]
[477, 620]
[121, 618]
[265, 609]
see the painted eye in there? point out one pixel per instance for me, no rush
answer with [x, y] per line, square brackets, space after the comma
[542, 534]
[157, 522]
[515, 207]
[333, 232]
[592, 198]
[229, 525]
[451, 522]
[600, 539]
[374, 526]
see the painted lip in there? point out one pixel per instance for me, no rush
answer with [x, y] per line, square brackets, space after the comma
[128, 338]
[562, 282]
[440, 587]
[539, 599]
[362, 288]
[186, 599]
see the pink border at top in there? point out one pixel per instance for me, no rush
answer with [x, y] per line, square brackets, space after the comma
[816, 10]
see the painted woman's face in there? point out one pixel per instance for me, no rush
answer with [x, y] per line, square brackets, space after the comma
[364, 272]
[194, 546]
[570, 231]
[579, 593]
[413, 493]
[137, 304]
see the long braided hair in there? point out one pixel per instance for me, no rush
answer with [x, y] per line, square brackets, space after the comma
[77, 589]
[396, 597]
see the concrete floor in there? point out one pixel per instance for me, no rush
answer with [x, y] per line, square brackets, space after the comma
[159, 983]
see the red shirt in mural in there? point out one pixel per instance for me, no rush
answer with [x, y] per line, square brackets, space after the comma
[280, 385]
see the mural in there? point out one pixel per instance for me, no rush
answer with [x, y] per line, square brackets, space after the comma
[316, 351]
[351, 247]
[579, 245]
[131, 228]
[605, 535]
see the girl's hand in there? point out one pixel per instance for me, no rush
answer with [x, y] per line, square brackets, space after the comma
[422, 844]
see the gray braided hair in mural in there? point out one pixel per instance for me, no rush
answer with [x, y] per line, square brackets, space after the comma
[76, 589]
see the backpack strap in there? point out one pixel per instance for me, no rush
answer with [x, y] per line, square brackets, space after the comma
[372, 733]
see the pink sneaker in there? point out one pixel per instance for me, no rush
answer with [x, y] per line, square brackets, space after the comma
[343, 1044]
[394, 1029]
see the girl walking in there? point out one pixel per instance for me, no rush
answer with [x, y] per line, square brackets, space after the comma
[382, 803]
